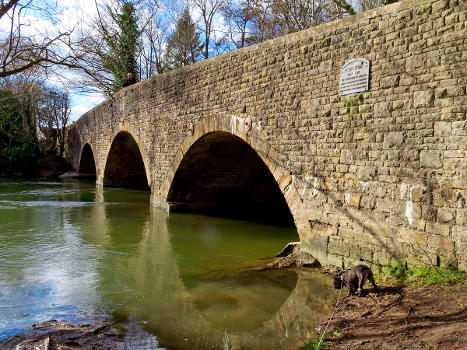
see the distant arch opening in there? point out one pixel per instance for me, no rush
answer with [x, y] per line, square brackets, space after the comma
[87, 165]
[222, 175]
[125, 166]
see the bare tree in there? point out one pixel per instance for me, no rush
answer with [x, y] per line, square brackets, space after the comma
[21, 51]
[53, 115]
[365, 5]
[154, 40]
[273, 18]
[208, 9]
[6, 5]
[239, 18]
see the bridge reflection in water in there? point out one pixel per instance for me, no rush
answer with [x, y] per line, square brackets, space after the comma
[186, 279]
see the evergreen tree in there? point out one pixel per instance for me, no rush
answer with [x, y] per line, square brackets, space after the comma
[120, 56]
[183, 46]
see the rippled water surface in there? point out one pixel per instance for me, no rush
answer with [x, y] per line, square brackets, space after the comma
[69, 250]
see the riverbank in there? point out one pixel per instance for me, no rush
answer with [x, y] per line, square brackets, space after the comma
[411, 315]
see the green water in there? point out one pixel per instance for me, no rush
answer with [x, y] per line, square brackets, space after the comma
[69, 250]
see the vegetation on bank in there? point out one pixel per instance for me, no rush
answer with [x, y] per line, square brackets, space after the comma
[33, 117]
[420, 276]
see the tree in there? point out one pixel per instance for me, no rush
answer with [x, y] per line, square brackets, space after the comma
[365, 5]
[208, 9]
[19, 149]
[119, 57]
[260, 20]
[239, 17]
[20, 52]
[183, 46]
[151, 60]
[53, 115]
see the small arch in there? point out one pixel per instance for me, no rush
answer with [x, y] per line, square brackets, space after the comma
[87, 163]
[223, 175]
[124, 166]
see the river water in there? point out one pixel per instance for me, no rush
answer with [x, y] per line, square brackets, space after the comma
[71, 251]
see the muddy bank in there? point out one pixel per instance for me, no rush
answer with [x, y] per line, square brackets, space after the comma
[401, 318]
[54, 335]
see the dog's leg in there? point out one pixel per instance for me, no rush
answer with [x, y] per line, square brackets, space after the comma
[372, 281]
[351, 289]
[361, 282]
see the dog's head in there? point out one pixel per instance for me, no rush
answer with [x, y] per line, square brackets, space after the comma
[337, 282]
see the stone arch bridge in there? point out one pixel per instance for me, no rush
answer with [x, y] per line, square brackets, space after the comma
[262, 132]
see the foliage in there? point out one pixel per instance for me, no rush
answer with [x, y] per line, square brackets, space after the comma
[183, 47]
[313, 344]
[119, 56]
[18, 145]
[33, 117]
[421, 275]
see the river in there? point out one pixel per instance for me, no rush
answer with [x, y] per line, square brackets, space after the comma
[71, 251]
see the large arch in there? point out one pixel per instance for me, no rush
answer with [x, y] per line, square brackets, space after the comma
[87, 163]
[222, 175]
[250, 148]
[124, 165]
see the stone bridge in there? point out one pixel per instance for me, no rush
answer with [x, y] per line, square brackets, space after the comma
[262, 133]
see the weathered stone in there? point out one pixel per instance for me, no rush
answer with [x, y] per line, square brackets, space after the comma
[430, 159]
[423, 99]
[446, 215]
[416, 62]
[443, 128]
[338, 162]
[382, 109]
[393, 139]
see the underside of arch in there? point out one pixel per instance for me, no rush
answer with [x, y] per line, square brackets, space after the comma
[222, 175]
[125, 165]
[87, 165]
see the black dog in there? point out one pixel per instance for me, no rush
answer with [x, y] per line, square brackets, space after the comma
[354, 279]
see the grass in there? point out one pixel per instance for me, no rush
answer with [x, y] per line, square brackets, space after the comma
[313, 344]
[420, 276]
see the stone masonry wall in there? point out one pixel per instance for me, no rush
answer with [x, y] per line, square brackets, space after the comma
[378, 176]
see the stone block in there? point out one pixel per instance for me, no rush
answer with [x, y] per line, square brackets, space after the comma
[437, 228]
[461, 217]
[430, 159]
[423, 99]
[382, 109]
[335, 260]
[446, 215]
[394, 139]
[415, 62]
[352, 200]
[443, 128]
[389, 82]
[367, 202]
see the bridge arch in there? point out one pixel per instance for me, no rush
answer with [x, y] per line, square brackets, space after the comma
[87, 162]
[126, 163]
[208, 134]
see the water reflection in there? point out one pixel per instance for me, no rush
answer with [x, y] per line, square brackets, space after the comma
[185, 281]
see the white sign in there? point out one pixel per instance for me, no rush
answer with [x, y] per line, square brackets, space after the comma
[355, 76]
